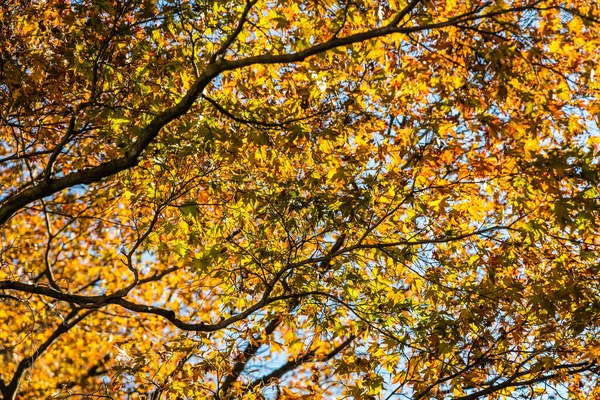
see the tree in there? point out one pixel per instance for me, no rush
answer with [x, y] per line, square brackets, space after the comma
[299, 199]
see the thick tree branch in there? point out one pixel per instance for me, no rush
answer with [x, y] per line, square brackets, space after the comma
[512, 382]
[292, 364]
[244, 121]
[95, 370]
[100, 301]
[117, 298]
[9, 391]
[411, 6]
[238, 29]
[248, 353]
[22, 156]
[364, 36]
[48, 187]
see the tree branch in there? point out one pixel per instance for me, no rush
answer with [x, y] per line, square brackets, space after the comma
[576, 368]
[48, 187]
[249, 352]
[9, 392]
[238, 29]
[103, 300]
[131, 158]
[244, 121]
[290, 365]
[364, 36]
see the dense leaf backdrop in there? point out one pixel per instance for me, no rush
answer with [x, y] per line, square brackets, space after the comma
[290, 199]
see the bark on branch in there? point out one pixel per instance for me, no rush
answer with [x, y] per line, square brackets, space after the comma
[48, 186]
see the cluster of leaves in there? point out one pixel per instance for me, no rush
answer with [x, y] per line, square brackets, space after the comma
[299, 199]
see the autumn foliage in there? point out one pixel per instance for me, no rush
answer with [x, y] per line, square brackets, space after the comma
[287, 199]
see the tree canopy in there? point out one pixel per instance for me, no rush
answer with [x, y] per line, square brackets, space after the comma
[281, 199]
